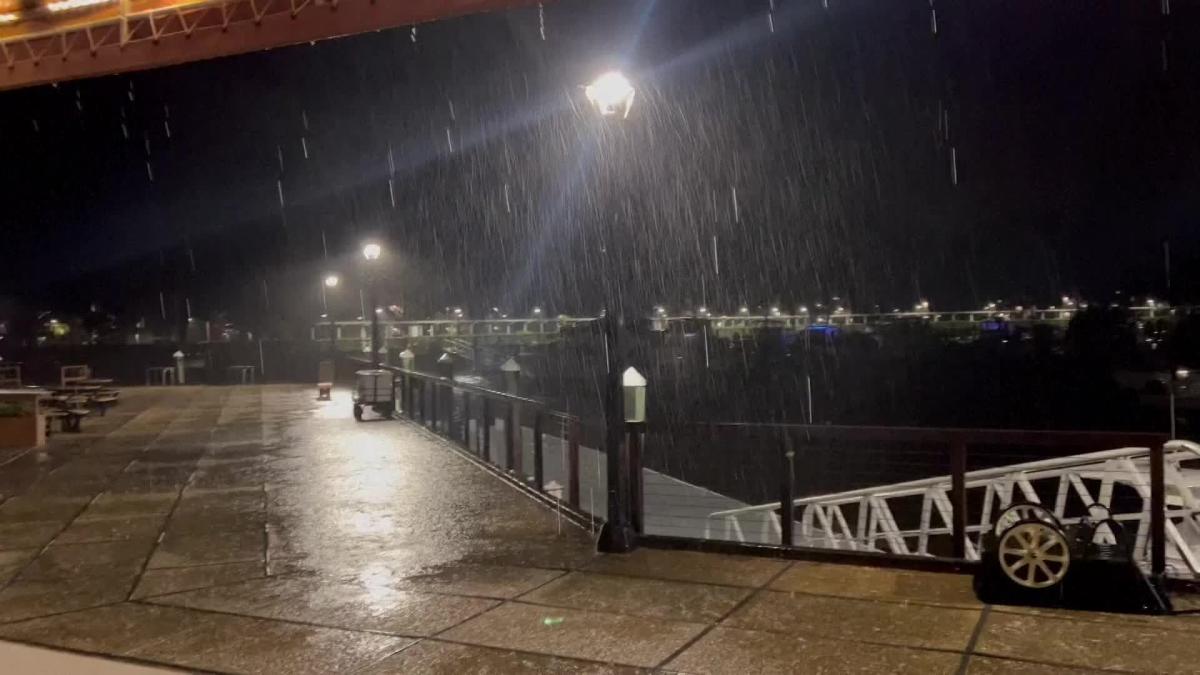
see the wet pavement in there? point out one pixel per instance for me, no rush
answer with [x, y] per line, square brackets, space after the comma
[255, 529]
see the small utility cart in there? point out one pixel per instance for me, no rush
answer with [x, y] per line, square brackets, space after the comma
[374, 389]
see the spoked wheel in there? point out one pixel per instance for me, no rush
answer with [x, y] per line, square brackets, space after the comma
[358, 412]
[1034, 554]
[1017, 512]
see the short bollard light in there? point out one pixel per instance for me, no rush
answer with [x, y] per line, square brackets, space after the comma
[180, 371]
[512, 375]
[635, 395]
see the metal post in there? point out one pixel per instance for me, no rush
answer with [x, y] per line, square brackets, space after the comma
[466, 420]
[486, 430]
[573, 461]
[1171, 401]
[374, 323]
[433, 405]
[635, 476]
[1158, 508]
[539, 470]
[510, 457]
[958, 497]
[787, 492]
[618, 535]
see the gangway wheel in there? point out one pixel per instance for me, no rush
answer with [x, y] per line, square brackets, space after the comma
[1019, 511]
[1034, 554]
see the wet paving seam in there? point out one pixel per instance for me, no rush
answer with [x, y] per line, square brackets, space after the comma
[132, 660]
[713, 624]
[1110, 619]
[162, 531]
[972, 641]
[1063, 666]
[885, 601]
[259, 617]
[45, 547]
[221, 584]
[624, 575]
[39, 617]
[515, 650]
[31, 486]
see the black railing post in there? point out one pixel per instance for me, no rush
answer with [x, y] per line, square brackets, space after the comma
[539, 468]
[787, 491]
[1158, 515]
[485, 447]
[433, 405]
[573, 462]
[958, 498]
[634, 434]
[466, 419]
[404, 395]
[510, 457]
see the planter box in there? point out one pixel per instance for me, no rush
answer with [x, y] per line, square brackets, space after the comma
[27, 431]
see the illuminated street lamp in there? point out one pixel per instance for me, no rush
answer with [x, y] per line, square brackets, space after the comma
[611, 94]
[371, 253]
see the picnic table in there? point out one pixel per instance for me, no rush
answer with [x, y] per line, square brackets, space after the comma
[97, 381]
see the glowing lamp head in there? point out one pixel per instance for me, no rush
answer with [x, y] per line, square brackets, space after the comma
[332, 281]
[611, 93]
[372, 251]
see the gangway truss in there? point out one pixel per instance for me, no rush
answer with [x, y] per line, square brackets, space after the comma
[1118, 479]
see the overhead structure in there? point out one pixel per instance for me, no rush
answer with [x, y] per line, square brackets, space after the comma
[44, 41]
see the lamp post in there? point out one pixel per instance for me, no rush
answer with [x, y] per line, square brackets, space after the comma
[611, 94]
[371, 252]
[331, 282]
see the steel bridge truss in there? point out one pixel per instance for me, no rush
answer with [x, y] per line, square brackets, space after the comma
[866, 519]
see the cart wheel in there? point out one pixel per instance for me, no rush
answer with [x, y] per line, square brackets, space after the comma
[1034, 554]
[1018, 511]
[358, 412]
[383, 410]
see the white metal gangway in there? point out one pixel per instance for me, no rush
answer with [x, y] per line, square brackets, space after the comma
[1067, 485]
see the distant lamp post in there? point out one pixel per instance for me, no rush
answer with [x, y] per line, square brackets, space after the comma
[371, 253]
[1180, 376]
[331, 282]
[537, 311]
[611, 94]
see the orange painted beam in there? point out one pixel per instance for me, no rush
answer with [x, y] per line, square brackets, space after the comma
[162, 33]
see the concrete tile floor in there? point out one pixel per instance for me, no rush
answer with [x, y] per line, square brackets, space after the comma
[254, 529]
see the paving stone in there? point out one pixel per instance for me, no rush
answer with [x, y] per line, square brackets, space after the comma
[654, 598]
[885, 622]
[1113, 645]
[356, 607]
[595, 636]
[878, 583]
[690, 566]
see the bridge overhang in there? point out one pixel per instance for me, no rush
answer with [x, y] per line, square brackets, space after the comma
[43, 41]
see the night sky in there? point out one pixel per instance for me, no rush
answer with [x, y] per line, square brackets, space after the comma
[776, 153]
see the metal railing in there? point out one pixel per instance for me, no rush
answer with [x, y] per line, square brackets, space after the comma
[490, 426]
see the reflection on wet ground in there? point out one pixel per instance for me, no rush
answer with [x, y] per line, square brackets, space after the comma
[255, 529]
